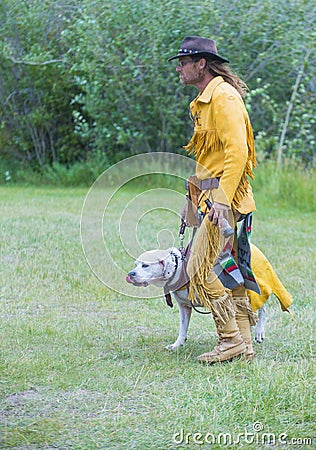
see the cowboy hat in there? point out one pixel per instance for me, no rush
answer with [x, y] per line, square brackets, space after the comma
[195, 45]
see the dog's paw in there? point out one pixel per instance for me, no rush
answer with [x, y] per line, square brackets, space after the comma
[259, 336]
[175, 345]
[172, 347]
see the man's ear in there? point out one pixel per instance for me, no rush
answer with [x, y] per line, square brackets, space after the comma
[202, 63]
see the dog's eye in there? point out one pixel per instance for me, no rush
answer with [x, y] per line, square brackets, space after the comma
[144, 266]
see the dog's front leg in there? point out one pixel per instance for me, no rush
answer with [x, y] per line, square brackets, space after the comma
[185, 315]
[260, 327]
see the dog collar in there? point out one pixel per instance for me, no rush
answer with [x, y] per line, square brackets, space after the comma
[175, 260]
[179, 285]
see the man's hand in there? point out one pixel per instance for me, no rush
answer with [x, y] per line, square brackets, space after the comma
[218, 215]
[218, 212]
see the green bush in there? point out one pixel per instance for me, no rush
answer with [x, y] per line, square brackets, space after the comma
[92, 78]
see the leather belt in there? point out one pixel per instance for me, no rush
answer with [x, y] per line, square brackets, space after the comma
[206, 185]
[209, 184]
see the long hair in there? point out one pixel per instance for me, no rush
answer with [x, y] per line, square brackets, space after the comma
[217, 68]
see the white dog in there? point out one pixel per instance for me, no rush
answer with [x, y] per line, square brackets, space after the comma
[164, 268]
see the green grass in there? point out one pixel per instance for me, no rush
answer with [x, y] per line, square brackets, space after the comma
[84, 367]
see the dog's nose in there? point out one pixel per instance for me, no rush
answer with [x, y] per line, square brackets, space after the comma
[132, 273]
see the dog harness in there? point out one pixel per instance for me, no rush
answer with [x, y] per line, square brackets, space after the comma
[181, 283]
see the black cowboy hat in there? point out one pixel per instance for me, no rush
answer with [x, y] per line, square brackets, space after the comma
[195, 45]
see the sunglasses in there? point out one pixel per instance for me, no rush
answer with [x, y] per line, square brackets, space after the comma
[184, 63]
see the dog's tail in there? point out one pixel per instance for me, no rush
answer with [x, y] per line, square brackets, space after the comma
[268, 282]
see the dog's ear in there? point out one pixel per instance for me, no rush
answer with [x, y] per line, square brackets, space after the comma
[168, 267]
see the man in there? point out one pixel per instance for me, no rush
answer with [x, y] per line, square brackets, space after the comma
[223, 146]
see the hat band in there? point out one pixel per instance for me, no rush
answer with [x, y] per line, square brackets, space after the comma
[186, 50]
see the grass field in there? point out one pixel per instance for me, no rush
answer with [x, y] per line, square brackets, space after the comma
[84, 367]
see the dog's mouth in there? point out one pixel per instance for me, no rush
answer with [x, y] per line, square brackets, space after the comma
[136, 283]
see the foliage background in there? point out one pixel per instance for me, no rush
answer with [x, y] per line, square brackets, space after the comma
[88, 82]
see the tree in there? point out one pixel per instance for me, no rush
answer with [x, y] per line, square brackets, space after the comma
[90, 79]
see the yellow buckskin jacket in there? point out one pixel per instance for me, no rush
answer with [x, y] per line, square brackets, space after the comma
[223, 144]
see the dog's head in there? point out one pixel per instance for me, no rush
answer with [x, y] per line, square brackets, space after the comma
[153, 267]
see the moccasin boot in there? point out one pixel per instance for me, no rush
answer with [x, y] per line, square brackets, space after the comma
[245, 318]
[230, 342]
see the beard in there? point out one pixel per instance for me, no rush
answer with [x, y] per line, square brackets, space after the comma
[194, 78]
